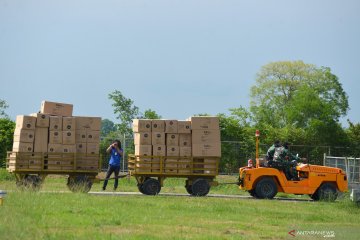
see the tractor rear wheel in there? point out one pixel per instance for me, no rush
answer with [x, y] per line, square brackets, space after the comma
[326, 192]
[200, 187]
[266, 188]
[151, 186]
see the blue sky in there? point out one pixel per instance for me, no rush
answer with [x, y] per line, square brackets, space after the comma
[176, 57]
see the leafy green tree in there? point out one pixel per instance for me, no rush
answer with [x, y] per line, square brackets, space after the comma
[296, 93]
[299, 103]
[107, 126]
[238, 141]
[151, 114]
[354, 137]
[3, 106]
[125, 110]
[7, 128]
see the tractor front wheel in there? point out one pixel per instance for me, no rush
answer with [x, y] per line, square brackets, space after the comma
[252, 193]
[266, 188]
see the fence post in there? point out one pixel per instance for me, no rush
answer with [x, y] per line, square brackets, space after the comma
[347, 168]
[124, 154]
[324, 159]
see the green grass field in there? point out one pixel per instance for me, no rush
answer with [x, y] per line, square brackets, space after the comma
[65, 215]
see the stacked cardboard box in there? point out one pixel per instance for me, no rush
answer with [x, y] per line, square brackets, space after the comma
[24, 141]
[178, 142]
[53, 133]
[143, 146]
[206, 143]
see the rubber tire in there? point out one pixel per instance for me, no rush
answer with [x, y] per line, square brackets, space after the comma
[266, 188]
[140, 187]
[79, 183]
[200, 187]
[151, 186]
[30, 182]
[326, 192]
[252, 193]
[188, 189]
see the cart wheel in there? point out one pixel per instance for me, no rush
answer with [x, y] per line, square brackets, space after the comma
[188, 189]
[151, 186]
[200, 187]
[80, 183]
[30, 182]
[140, 187]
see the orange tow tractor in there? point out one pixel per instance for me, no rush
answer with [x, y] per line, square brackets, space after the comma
[319, 182]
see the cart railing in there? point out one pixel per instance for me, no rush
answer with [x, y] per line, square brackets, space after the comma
[52, 162]
[173, 165]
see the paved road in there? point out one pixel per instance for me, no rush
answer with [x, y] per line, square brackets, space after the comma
[120, 194]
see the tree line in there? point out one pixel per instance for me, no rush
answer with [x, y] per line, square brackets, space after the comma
[290, 100]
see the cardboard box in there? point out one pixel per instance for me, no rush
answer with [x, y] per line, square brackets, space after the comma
[42, 120]
[143, 150]
[91, 162]
[213, 161]
[69, 148]
[22, 147]
[184, 126]
[172, 151]
[158, 125]
[92, 148]
[171, 126]
[41, 140]
[159, 150]
[172, 139]
[68, 137]
[25, 122]
[143, 167]
[69, 124]
[158, 138]
[24, 135]
[184, 168]
[54, 148]
[55, 137]
[205, 136]
[57, 109]
[204, 123]
[206, 150]
[80, 147]
[80, 136]
[170, 167]
[185, 152]
[92, 136]
[142, 138]
[185, 140]
[55, 123]
[141, 125]
[88, 123]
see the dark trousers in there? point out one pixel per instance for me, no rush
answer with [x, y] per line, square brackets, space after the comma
[115, 170]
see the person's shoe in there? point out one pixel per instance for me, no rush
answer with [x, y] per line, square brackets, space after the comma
[103, 188]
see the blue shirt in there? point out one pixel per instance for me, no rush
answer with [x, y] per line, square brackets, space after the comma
[115, 157]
